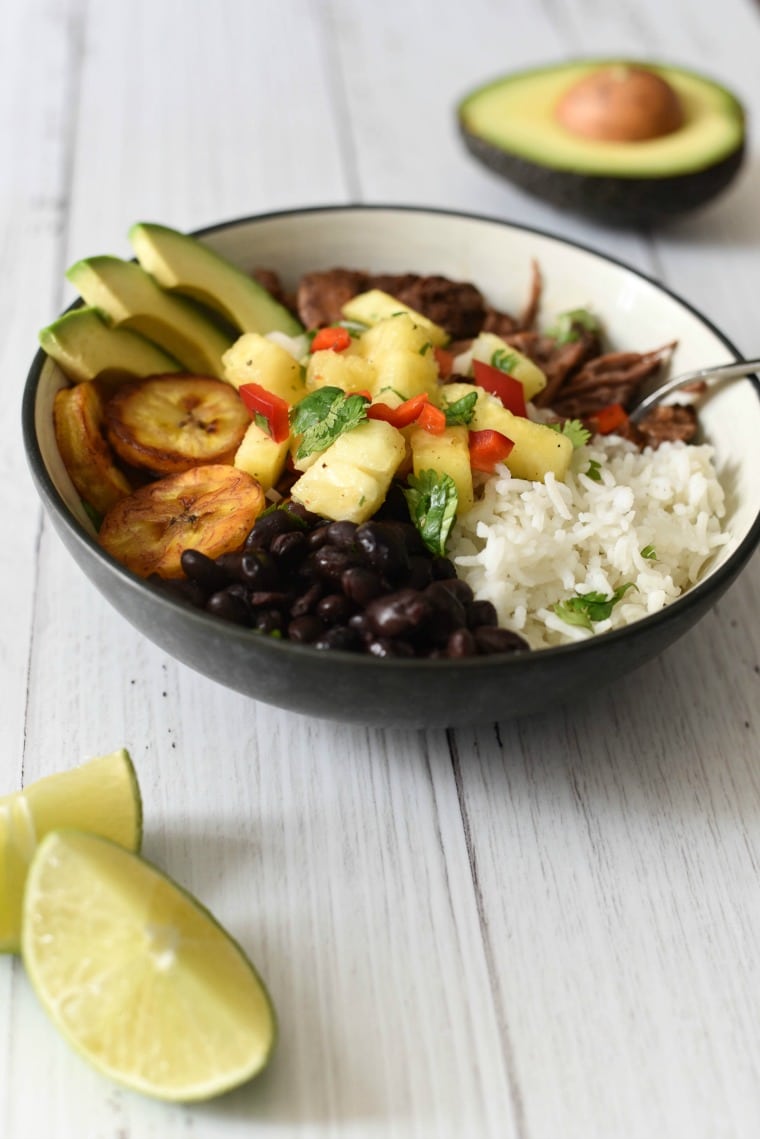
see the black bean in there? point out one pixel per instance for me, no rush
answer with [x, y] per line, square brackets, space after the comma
[268, 526]
[203, 570]
[335, 609]
[461, 643]
[289, 549]
[361, 584]
[189, 591]
[270, 598]
[258, 570]
[230, 565]
[229, 606]
[460, 589]
[342, 534]
[305, 629]
[330, 563]
[361, 623]
[299, 511]
[481, 613]
[339, 637]
[307, 600]
[384, 548]
[420, 572]
[397, 613]
[318, 536]
[449, 611]
[443, 568]
[490, 640]
[269, 621]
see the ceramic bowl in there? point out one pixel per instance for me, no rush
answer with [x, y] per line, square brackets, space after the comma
[637, 314]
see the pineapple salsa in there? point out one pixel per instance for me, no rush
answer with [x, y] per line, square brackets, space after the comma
[303, 478]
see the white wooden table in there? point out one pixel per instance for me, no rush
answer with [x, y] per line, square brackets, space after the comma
[547, 929]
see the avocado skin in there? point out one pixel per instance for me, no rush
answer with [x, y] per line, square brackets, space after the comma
[625, 202]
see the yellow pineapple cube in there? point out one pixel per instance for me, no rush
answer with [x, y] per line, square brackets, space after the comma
[260, 456]
[253, 359]
[329, 369]
[447, 454]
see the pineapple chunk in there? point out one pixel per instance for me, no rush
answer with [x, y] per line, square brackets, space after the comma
[260, 456]
[522, 368]
[407, 373]
[375, 305]
[350, 480]
[448, 454]
[253, 359]
[328, 369]
[397, 332]
[537, 448]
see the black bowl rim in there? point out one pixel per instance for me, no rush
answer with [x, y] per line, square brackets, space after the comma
[673, 612]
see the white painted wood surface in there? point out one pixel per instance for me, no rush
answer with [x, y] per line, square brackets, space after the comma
[542, 930]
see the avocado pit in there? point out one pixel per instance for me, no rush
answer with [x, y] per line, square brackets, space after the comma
[621, 103]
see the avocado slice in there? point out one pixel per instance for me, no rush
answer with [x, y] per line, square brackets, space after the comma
[129, 298]
[86, 348]
[512, 125]
[182, 263]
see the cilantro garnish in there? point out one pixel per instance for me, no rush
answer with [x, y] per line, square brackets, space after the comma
[461, 411]
[262, 422]
[286, 506]
[586, 608]
[425, 348]
[504, 360]
[569, 325]
[432, 500]
[649, 553]
[594, 470]
[574, 429]
[323, 415]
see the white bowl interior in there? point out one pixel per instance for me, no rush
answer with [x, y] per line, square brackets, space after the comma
[636, 313]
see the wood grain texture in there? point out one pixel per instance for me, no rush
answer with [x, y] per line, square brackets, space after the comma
[525, 931]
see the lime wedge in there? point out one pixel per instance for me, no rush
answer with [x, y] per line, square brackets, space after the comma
[140, 979]
[101, 796]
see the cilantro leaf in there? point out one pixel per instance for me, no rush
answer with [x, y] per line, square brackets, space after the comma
[586, 608]
[569, 325]
[649, 553]
[323, 415]
[594, 469]
[432, 500]
[461, 411]
[504, 360]
[574, 429]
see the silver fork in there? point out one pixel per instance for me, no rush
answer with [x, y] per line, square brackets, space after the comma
[645, 402]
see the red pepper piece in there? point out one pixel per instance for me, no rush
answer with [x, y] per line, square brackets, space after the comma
[609, 419]
[445, 361]
[432, 419]
[272, 407]
[487, 448]
[402, 415]
[505, 387]
[338, 339]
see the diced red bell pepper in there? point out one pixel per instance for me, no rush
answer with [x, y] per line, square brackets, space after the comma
[272, 407]
[402, 415]
[487, 448]
[505, 387]
[432, 419]
[337, 339]
[445, 362]
[608, 419]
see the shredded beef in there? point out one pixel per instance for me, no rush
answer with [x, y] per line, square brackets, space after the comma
[456, 306]
[270, 281]
[669, 423]
[321, 296]
[611, 378]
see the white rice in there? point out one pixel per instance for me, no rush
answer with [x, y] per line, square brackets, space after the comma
[527, 546]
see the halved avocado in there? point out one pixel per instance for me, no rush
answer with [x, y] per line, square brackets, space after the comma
[520, 126]
[183, 264]
[86, 348]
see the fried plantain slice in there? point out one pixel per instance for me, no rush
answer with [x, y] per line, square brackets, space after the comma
[167, 424]
[78, 421]
[208, 508]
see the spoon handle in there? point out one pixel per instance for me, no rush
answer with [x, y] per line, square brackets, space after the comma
[719, 372]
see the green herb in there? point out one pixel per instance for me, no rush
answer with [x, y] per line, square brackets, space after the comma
[594, 469]
[324, 415]
[395, 391]
[586, 608]
[649, 553]
[460, 412]
[504, 360]
[425, 348]
[432, 500]
[570, 325]
[296, 518]
[574, 429]
[262, 422]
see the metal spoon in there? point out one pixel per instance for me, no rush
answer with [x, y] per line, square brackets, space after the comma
[644, 403]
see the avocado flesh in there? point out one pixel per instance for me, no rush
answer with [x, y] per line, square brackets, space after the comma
[510, 126]
[129, 298]
[183, 264]
[86, 348]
